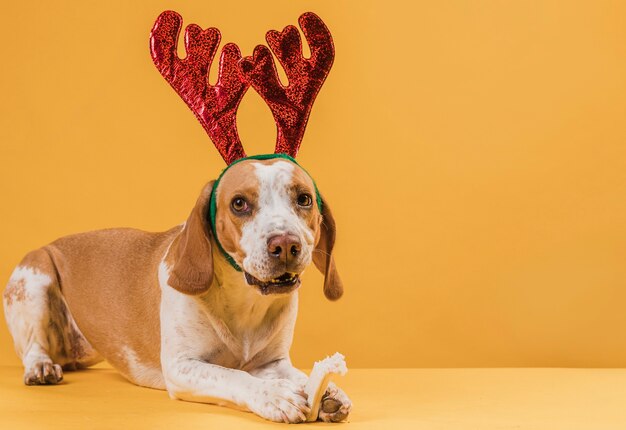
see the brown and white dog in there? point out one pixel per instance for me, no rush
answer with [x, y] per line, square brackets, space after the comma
[171, 310]
[167, 309]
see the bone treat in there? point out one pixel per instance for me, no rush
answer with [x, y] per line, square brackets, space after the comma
[319, 378]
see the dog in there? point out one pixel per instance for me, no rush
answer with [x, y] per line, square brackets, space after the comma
[205, 310]
[169, 311]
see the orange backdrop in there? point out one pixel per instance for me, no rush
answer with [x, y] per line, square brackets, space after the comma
[473, 152]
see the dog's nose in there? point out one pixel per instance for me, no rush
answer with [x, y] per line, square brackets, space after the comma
[284, 246]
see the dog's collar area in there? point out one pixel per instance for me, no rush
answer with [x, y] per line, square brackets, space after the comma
[213, 202]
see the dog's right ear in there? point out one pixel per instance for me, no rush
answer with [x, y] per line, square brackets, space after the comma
[192, 271]
[323, 254]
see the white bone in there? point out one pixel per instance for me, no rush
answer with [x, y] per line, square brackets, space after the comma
[319, 379]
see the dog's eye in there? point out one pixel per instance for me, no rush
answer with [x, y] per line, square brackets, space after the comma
[305, 200]
[240, 205]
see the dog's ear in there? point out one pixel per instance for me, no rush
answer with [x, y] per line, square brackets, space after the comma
[323, 255]
[192, 271]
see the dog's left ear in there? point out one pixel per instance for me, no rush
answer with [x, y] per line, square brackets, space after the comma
[323, 255]
[192, 272]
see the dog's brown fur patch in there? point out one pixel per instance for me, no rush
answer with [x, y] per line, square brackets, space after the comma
[15, 291]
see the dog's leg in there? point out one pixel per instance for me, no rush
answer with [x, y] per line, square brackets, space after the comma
[281, 369]
[336, 405]
[278, 400]
[43, 331]
[27, 312]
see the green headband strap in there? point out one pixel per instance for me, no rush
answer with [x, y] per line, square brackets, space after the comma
[213, 203]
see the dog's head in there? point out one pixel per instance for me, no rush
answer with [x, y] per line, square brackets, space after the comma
[270, 222]
[264, 214]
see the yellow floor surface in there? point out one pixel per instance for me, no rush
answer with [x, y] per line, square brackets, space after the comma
[388, 399]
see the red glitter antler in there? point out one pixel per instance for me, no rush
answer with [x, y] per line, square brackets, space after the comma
[215, 106]
[292, 104]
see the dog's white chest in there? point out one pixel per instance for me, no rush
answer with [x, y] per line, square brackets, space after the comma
[248, 328]
[234, 328]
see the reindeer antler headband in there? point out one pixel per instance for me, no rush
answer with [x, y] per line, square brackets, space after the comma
[215, 106]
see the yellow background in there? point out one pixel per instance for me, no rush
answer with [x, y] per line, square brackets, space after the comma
[473, 153]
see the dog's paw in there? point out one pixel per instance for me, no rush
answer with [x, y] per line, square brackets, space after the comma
[280, 400]
[336, 405]
[43, 373]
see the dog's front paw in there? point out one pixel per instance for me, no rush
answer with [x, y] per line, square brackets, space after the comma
[336, 405]
[280, 400]
[43, 373]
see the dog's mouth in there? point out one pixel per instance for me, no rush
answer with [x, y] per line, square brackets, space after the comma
[285, 283]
